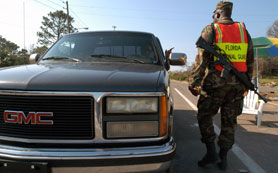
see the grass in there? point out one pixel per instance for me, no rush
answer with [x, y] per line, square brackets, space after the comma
[183, 76]
[179, 75]
[269, 80]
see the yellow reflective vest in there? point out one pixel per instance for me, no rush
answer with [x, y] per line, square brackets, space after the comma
[232, 39]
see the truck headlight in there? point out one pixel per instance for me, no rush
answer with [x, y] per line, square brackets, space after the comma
[132, 105]
[132, 129]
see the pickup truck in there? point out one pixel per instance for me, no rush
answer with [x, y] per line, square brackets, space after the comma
[94, 102]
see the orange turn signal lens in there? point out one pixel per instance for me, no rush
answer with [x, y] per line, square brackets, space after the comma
[163, 116]
[181, 58]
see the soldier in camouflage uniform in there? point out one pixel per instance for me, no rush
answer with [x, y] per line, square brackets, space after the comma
[216, 92]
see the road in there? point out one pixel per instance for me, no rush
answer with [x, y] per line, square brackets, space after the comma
[255, 149]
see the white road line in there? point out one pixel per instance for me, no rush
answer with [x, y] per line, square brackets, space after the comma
[187, 100]
[248, 161]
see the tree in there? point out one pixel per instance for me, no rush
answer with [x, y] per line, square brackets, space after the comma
[10, 55]
[273, 30]
[7, 49]
[39, 50]
[22, 52]
[53, 27]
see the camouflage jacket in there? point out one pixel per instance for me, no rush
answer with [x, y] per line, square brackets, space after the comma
[204, 73]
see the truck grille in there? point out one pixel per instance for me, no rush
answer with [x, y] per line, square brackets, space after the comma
[72, 117]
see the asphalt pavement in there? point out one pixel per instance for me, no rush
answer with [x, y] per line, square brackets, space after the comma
[255, 149]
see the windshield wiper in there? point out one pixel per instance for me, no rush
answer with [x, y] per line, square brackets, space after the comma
[60, 58]
[114, 56]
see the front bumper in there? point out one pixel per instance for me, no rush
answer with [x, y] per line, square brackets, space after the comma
[128, 159]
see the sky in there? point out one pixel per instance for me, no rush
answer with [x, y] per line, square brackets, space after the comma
[177, 23]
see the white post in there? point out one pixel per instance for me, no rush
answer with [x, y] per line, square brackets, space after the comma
[24, 25]
[257, 68]
[67, 3]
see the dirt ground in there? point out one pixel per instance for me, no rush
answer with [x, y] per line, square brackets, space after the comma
[269, 92]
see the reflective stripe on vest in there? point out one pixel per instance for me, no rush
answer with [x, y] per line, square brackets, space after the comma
[232, 39]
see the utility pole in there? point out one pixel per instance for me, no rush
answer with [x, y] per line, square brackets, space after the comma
[67, 3]
[24, 25]
[257, 68]
[114, 27]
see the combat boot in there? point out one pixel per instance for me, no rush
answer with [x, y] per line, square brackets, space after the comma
[210, 157]
[223, 157]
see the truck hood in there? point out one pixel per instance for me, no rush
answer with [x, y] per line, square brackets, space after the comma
[95, 77]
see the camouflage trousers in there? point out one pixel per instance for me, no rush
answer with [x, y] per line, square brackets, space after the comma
[229, 99]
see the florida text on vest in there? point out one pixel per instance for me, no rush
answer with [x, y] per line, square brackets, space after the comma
[232, 47]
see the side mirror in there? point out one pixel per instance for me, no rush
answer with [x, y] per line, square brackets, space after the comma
[178, 59]
[34, 58]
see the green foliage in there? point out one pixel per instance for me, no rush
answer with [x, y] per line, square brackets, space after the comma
[14, 60]
[54, 26]
[179, 75]
[39, 50]
[9, 54]
[269, 81]
[7, 48]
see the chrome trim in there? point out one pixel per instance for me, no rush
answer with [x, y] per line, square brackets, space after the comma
[21, 153]
[98, 97]
[137, 168]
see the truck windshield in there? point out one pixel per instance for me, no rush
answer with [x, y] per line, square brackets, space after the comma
[112, 46]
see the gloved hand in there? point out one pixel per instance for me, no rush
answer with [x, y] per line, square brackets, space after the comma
[245, 93]
[196, 90]
[168, 52]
